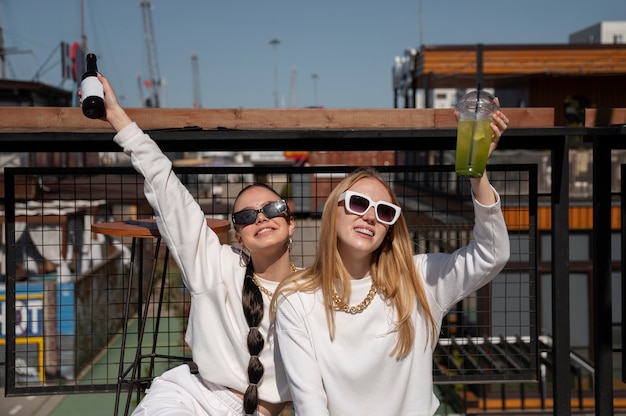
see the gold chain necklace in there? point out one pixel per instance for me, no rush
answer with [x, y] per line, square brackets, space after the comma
[341, 306]
[269, 293]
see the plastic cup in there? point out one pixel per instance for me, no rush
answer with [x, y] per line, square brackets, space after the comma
[474, 133]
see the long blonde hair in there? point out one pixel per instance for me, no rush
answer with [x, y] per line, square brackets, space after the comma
[393, 270]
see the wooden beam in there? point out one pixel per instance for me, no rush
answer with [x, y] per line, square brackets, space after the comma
[603, 117]
[516, 62]
[64, 119]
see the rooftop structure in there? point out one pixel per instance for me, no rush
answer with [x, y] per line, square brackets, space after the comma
[603, 32]
[569, 76]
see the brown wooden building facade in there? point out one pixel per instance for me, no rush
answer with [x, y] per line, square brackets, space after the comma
[566, 77]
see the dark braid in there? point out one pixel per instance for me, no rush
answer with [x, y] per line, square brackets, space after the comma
[252, 301]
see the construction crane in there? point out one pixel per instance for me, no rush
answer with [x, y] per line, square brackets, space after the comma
[154, 84]
[196, 81]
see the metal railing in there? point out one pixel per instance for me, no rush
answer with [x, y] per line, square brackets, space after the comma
[409, 144]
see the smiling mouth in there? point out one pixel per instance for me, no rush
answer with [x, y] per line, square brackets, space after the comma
[364, 231]
[264, 230]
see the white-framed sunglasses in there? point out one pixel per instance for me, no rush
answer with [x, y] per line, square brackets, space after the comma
[359, 204]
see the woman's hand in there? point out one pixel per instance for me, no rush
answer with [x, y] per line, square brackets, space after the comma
[115, 114]
[498, 126]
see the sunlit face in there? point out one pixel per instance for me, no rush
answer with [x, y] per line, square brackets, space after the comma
[264, 233]
[361, 235]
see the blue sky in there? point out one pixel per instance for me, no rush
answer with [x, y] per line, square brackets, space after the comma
[349, 44]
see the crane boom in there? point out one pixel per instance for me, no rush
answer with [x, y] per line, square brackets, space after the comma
[153, 67]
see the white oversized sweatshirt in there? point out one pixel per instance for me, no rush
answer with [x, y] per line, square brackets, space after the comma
[355, 374]
[211, 272]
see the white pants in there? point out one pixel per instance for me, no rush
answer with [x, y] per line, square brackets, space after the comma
[178, 392]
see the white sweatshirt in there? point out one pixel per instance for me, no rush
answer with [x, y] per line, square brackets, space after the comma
[354, 374]
[211, 272]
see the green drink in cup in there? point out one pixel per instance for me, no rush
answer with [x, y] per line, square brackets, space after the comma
[474, 133]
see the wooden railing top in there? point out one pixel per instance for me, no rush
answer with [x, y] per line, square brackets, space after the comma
[603, 117]
[62, 119]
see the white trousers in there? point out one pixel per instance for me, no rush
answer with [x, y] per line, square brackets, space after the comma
[178, 392]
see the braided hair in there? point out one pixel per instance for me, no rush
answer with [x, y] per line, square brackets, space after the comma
[252, 302]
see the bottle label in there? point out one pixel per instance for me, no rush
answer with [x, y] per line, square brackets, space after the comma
[91, 86]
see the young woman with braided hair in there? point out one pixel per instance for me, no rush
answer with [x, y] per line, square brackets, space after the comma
[356, 331]
[231, 287]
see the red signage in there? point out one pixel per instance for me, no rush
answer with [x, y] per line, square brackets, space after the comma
[78, 61]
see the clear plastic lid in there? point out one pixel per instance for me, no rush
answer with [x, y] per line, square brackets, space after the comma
[473, 101]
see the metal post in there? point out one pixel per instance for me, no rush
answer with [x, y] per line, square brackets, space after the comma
[275, 42]
[479, 65]
[315, 77]
[560, 278]
[602, 308]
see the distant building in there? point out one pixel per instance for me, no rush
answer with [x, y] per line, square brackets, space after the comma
[603, 32]
[590, 71]
[32, 94]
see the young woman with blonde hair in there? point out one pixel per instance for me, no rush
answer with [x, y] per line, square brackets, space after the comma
[356, 331]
